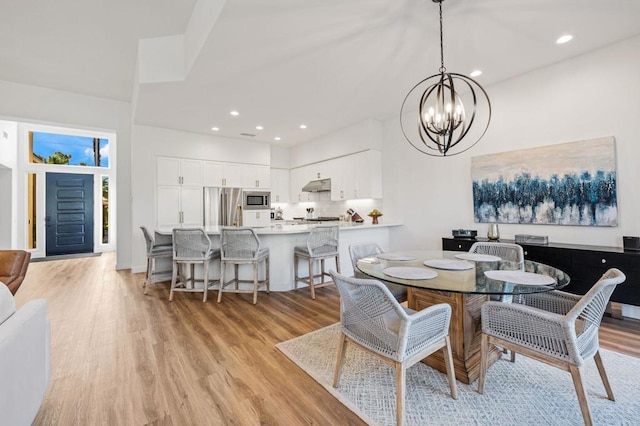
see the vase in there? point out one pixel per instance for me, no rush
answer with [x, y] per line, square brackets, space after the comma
[493, 233]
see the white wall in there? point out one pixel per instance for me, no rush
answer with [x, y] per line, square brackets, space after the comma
[586, 97]
[280, 157]
[358, 137]
[33, 104]
[8, 174]
[150, 142]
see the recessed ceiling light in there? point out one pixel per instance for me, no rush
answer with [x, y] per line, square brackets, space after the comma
[277, 138]
[475, 73]
[234, 113]
[564, 39]
[303, 126]
[259, 127]
[215, 129]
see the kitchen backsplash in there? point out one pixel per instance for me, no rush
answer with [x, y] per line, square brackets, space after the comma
[329, 208]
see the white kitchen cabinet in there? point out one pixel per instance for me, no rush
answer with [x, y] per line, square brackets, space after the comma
[300, 176]
[368, 174]
[357, 176]
[256, 218]
[343, 175]
[217, 174]
[212, 174]
[178, 171]
[280, 185]
[232, 175]
[179, 206]
[256, 177]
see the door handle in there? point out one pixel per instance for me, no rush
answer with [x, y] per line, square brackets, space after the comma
[47, 220]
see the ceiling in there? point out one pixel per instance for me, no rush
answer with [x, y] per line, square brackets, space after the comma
[281, 63]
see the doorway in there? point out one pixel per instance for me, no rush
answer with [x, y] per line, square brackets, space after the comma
[69, 213]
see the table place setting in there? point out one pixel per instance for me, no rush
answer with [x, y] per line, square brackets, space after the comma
[410, 273]
[396, 256]
[449, 264]
[520, 277]
[478, 257]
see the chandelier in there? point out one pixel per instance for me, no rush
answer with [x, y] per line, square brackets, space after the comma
[448, 106]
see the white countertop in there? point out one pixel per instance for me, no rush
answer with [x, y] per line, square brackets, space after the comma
[279, 229]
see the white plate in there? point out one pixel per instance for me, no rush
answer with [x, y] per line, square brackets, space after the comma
[450, 264]
[396, 256]
[519, 277]
[477, 257]
[410, 273]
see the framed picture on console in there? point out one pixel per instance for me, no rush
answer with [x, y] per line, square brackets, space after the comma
[566, 184]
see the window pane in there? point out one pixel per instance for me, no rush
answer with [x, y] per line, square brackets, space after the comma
[105, 209]
[52, 148]
[31, 216]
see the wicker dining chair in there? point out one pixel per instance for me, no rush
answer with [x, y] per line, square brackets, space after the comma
[322, 244]
[241, 246]
[373, 320]
[505, 251]
[190, 247]
[370, 249]
[557, 328]
[154, 251]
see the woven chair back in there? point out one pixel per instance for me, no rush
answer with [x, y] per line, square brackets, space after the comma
[369, 314]
[359, 251]
[589, 311]
[323, 239]
[505, 251]
[239, 243]
[147, 238]
[190, 245]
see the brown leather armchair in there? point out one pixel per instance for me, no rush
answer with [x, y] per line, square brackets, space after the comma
[13, 268]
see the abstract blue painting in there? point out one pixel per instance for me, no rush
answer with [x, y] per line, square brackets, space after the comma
[566, 184]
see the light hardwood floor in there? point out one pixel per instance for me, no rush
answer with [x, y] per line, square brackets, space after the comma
[122, 358]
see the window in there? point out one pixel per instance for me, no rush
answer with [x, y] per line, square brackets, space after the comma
[52, 148]
[105, 209]
[31, 216]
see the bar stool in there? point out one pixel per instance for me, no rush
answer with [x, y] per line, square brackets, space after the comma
[154, 251]
[322, 244]
[241, 246]
[191, 246]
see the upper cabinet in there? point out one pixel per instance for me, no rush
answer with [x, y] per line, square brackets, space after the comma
[280, 185]
[300, 176]
[368, 174]
[235, 175]
[357, 176]
[256, 177]
[354, 176]
[231, 175]
[178, 171]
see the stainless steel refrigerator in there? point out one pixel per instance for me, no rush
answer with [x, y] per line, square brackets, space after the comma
[223, 206]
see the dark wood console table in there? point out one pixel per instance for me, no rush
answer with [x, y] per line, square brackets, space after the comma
[584, 264]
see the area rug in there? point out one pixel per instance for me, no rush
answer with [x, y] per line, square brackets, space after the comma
[526, 392]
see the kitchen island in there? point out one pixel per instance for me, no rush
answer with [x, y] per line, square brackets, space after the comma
[281, 240]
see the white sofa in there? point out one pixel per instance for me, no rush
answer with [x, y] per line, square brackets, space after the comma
[25, 358]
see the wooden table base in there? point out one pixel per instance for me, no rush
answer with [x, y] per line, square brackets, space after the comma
[465, 330]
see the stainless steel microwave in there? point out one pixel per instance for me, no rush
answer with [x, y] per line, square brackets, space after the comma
[256, 200]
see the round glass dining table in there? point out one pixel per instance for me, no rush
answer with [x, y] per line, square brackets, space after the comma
[463, 272]
[465, 281]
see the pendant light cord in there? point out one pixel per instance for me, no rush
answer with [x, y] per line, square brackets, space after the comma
[442, 68]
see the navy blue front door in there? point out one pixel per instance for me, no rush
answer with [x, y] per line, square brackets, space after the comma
[69, 215]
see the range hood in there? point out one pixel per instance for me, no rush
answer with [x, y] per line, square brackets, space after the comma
[321, 185]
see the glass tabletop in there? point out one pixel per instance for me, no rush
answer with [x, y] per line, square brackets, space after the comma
[458, 272]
